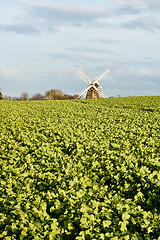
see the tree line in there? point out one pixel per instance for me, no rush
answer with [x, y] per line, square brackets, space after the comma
[53, 94]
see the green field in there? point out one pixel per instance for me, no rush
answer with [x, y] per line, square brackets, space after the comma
[80, 169]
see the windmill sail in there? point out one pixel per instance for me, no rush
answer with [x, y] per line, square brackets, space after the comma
[94, 89]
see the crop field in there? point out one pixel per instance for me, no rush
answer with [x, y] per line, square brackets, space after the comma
[80, 169]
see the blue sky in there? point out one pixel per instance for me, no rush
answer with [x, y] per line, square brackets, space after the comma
[43, 43]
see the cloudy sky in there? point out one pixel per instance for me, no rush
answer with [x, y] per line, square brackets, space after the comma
[44, 42]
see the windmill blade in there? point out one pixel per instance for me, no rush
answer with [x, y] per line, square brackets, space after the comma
[101, 76]
[103, 94]
[84, 76]
[85, 90]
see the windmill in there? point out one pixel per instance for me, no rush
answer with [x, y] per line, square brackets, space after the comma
[94, 89]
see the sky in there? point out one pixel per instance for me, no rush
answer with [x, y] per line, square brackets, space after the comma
[43, 44]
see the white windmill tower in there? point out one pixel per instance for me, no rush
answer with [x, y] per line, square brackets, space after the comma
[94, 89]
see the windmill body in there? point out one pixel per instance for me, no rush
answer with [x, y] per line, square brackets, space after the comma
[94, 89]
[92, 93]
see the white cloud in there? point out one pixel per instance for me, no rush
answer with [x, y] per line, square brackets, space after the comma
[149, 72]
[41, 16]
[62, 15]
[31, 18]
[139, 4]
[19, 29]
[21, 73]
[75, 11]
[10, 73]
[154, 4]
[147, 23]
[132, 4]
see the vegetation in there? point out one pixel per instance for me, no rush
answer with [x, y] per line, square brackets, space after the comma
[80, 169]
[53, 94]
[24, 96]
[37, 96]
[1, 96]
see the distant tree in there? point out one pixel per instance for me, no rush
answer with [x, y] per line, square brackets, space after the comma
[16, 99]
[7, 98]
[37, 96]
[75, 96]
[1, 96]
[66, 96]
[24, 96]
[47, 95]
[54, 94]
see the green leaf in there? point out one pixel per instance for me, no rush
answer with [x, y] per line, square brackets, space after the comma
[106, 223]
[125, 216]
